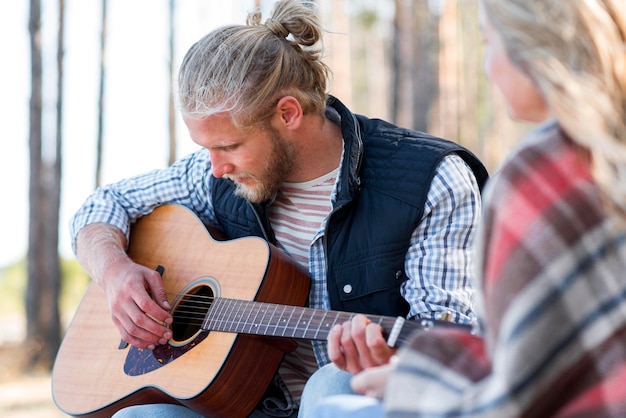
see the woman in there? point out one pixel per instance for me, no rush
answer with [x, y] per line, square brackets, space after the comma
[552, 249]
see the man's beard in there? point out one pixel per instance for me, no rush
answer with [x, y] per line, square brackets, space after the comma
[273, 174]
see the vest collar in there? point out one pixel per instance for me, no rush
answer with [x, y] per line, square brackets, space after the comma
[349, 181]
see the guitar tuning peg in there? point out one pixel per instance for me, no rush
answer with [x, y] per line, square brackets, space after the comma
[446, 316]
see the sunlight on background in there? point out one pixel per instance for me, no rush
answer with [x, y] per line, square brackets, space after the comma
[135, 132]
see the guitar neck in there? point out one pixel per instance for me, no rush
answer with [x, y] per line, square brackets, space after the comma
[268, 319]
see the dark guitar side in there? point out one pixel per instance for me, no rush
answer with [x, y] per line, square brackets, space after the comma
[225, 374]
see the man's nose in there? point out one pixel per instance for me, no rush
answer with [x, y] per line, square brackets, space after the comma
[220, 164]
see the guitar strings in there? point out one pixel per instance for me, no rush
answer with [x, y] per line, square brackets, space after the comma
[197, 310]
[192, 309]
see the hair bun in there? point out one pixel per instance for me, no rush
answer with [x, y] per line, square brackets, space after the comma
[277, 28]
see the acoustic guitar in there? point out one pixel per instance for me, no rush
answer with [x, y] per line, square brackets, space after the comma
[236, 304]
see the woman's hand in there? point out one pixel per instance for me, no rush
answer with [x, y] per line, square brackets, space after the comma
[372, 382]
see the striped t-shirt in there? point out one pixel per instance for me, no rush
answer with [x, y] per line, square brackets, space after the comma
[296, 215]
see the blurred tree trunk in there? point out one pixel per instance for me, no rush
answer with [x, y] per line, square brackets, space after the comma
[471, 80]
[36, 269]
[402, 64]
[450, 116]
[172, 107]
[100, 140]
[43, 332]
[414, 63]
[426, 70]
[50, 301]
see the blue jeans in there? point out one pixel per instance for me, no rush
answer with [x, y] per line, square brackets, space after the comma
[348, 406]
[156, 410]
[161, 410]
[324, 383]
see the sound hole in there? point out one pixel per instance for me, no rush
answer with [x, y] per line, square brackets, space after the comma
[190, 312]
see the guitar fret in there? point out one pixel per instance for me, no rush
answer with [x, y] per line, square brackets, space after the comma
[296, 327]
[313, 328]
[211, 316]
[248, 325]
[244, 318]
[237, 315]
[319, 327]
[209, 321]
[255, 323]
[286, 326]
[221, 324]
[219, 314]
[269, 319]
[308, 325]
[275, 318]
[328, 320]
[226, 311]
[207, 318]
[282, 319]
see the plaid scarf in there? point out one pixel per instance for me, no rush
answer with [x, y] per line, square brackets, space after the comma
[552, 306]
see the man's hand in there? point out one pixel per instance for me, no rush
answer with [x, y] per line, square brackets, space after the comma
[133, 291]
[137, 298]
[358, 344]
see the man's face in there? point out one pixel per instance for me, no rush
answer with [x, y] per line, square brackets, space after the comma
[257, 161]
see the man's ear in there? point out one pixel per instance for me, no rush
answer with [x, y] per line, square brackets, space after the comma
[289, 112]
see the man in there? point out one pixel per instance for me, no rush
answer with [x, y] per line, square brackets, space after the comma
[382, 218]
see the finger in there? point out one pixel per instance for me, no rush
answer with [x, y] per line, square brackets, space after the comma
[350, 349]
[152, 318]
[148, 306]
[138, 327]
[372, 381]
[358, 383]
[359, 324]
[365, 383]
[347, 343]
[335, 352]
[156, 289]
[378, 347]
[134, 336]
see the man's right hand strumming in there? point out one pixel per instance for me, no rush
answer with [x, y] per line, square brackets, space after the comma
[136, 296]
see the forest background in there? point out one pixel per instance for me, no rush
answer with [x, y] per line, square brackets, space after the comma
[87, 101]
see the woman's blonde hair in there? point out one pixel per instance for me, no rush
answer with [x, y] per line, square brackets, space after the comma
[243, 70]
[575, 51]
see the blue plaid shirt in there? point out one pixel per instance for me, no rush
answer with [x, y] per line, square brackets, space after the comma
[438, 262]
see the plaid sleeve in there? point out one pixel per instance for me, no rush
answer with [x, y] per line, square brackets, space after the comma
[120, 204]
[439, 260]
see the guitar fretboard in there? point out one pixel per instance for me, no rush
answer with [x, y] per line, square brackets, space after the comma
[232, 315]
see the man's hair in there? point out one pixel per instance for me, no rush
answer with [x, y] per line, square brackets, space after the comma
[243, 70]
[575, 51]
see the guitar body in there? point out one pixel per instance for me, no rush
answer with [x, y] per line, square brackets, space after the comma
[219, 374]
